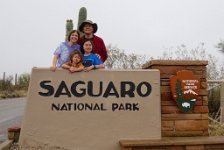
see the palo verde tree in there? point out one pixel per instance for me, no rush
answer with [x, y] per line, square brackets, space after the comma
[23, 81]
[119, 59]
[182, 52]
[220, 46]
[6, 85]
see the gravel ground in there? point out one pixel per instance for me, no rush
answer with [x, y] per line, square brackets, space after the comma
[15, 146]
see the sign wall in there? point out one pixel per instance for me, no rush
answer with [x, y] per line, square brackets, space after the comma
[91, 110]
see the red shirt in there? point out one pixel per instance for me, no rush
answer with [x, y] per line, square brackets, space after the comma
[98, 46]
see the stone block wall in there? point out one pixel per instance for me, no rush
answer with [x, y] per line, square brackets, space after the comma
[173, 121]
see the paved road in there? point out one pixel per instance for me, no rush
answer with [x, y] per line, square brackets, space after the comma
[11, 113]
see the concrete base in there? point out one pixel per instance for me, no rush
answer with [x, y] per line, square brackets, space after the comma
[176, 143]
[6, 145]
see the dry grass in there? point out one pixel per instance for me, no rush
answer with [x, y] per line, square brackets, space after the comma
[215, 128]
[14, 94]
[16, 146]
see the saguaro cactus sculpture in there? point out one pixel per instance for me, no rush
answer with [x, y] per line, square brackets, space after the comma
[69, 27]
[82, 17]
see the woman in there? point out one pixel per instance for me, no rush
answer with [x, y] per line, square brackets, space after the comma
[61, 54]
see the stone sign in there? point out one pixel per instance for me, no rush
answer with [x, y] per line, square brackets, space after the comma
[94, 110]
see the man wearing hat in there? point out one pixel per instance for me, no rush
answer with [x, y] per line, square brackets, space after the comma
[89, 28]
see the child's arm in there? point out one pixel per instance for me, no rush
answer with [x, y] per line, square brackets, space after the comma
[100, 66]
[73, 69]
[87, 69]
[66, 66]
[54, 62]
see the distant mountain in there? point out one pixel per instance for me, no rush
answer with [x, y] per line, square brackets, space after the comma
[190, 92]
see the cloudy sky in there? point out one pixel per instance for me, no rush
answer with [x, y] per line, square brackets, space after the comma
[30, 30]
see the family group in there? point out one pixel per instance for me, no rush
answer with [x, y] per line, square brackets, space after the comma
[83, 53]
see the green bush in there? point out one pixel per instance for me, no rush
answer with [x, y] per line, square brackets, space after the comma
[23, 82]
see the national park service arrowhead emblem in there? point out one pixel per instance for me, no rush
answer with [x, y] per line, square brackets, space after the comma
[185, 89]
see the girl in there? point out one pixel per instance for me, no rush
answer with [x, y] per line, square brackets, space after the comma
[61, 54]
[75, 63]
[91, 61]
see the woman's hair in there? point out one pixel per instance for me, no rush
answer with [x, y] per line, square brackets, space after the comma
[76, 52]
[84, 41]
[70, 34]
